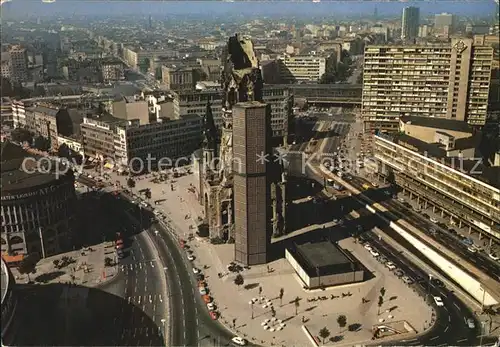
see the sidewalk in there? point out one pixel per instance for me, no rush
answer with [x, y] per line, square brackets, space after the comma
[87, 269]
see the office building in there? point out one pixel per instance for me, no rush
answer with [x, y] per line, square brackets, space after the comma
[19, 113]
[251, 194]
[112, 70]
[302, 68]
[178, 78]
[443, 81]
[38, 205]
[410, 23]
[435, 161]
[444, 24]
[131, 108]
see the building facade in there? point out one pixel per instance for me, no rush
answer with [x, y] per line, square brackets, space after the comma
[443, 81]
[112, 70]
[410, 22]
[251, 132]
[6, 114]
[178, 78]
[302, 68]
[446, 182]
[38, 208]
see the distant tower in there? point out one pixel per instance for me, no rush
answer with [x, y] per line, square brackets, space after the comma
[251, 193]
[150, 22]
[410, 23]
[375, 13]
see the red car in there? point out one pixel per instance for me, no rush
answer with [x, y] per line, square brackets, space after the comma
[214, 315]
[183, 243]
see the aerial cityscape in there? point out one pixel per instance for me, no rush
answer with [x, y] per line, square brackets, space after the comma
[250, 173]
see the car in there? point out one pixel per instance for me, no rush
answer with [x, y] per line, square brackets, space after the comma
[200, 277]
[367, 246]
[382, 260]
[203, 291]
[493, 256]
[214, 315]
[239, 341]
[399, 273]
[386, 192]
[207, 299]
[437, 282]
[408, 280]
[432, 230]
[211, 306]
[470, 323]
[191, 257]
[390, 265]
[433, 220]
[472, 249]
[196, 270]
[202, 283]
[374, 252]
[439, 302]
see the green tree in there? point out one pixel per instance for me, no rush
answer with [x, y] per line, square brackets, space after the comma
[147, 193]
[108, 262]
[341, 321]
[41, 143]
[27, 266]
[64, 151]
[273, 311]
[282, 292]
[359, 80]
[324, 333]
[238, 280]
[56, 263]
[382, 292]
[296, 303]
[380, 303]
[22, 135]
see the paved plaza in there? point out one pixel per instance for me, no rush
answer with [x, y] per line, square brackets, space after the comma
[86, 269]
[233, 302]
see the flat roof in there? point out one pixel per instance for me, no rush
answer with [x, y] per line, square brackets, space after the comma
[323, 258]
[321, 254]
[437, 123]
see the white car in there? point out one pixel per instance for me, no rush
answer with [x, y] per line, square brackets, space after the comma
[401, 199]
[438, 301]
[196, 270]
[191, 257]
[472, 249]
[433, 220]
[211, 306]
[367, 246]
[239, 341]
[493, 256]
[203, 291]
[374, 252]
[390, 265]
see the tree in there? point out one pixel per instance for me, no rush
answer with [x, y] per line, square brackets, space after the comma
[64, 151]
[239, 280]
[342, 321]
[108, 262]
[359, 80]
[328, 77]
[41, 143]
[56, 263]
[130, 182]
[380, 303]
[148, 194]
[324, 333]
[273, 311]
[296, 303]
[260, 290]
[27, 266]
[282, 292]
[22, 135]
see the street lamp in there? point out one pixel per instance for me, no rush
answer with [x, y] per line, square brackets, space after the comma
[429, 286]
[251, 305]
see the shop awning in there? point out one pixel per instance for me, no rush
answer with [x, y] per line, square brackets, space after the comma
[12, 258]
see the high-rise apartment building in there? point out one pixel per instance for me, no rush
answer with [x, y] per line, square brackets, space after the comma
[250, 132]
[15, 64]
[410, 23]
[444, 81]
[303, 68]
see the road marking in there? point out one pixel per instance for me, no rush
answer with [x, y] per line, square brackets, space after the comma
[446, 329]
[135, 332]
[462, 340]
[449, 318]
[150, 300]
[140, 265]
[131, 268]
[129, 298]
[457, 306]
[152, 264]
[159, 297]
[139, 300]
[433, 338]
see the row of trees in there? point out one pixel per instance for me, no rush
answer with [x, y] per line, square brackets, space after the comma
[341, 321]
[339, 73]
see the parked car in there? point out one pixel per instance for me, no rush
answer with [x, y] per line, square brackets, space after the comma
[367, 246]
[390, 265]
[399, 273]
[439, 302]
[401, 199]
[203, 291]
[211, 306]
[207, 299]
[374, 252]
[214, 315]
[493, 256]
[437, 282]
[239, 341]
[196, 270]
[382, 260]
[472, 249]
[470, 323]
[191, 257]
[407, 280]
[433, 220]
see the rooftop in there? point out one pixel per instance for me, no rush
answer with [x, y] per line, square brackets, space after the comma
[437, 123]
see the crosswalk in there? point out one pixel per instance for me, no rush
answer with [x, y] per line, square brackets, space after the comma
[138, 266]
[144, 331]
[145, 299]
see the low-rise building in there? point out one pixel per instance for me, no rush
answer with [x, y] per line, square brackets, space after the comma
[112, 70]
[436, 161]
[19, 113]
[304, 68]
[74, 144]
[6, 114]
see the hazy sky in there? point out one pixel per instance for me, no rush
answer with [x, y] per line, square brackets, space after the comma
[213, 8]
